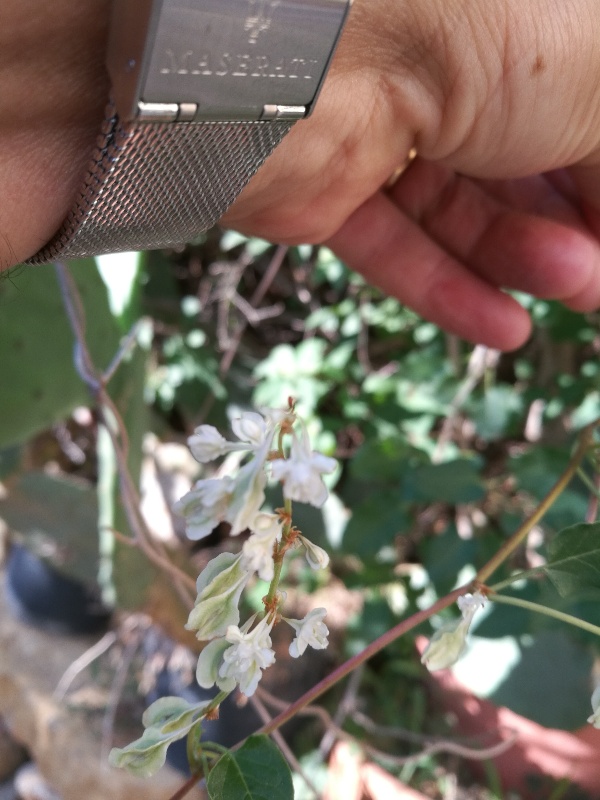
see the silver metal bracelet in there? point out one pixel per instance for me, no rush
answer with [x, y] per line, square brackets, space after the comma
[203, 92]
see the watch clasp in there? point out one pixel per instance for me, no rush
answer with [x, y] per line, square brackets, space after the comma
[221, 60]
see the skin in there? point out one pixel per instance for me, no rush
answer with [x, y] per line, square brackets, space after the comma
[499, 97]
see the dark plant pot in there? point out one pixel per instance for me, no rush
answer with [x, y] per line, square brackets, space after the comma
[41, 596]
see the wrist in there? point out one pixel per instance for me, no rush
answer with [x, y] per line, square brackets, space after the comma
[53, 88]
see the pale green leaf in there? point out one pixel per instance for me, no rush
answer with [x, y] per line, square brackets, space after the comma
[219, 594]
[145, 756]
[166, 720]
[214, 567]
[211, 658]
[172, 714]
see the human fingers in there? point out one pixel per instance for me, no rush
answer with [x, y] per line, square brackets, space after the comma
[526, 235]
[396, 254]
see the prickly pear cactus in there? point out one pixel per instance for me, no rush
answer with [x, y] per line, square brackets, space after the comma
[39, 383]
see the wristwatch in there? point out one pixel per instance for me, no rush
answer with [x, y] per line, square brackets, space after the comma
[202, 93]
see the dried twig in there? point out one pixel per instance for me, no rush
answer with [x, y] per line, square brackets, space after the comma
[81, 663]
[262, 712]
[432, 745]
[108, 721]
[345, 707]
[111, 419]
[482, 358]
[249, 308]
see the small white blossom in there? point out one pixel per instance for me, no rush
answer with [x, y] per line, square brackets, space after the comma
[469, 603]
[234, 500]
[301, 472]
[205, 506]
[249, 654]
[278, 416]
[252, 429]
[448, 643]
[207, 444]
[257, 552]
[309, 631]
[595, 717]
[315, 555]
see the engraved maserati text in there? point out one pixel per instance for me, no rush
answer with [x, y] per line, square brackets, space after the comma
[238, 65]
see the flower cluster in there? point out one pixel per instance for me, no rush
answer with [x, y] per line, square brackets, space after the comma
[234, 655]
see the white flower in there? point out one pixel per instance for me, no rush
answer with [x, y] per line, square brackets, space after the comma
[469, 603]
[234, 500]
[595, 717]
[309, 631]
[448, 643]
[278, 416]
[257, 552]
[252, 429]
[301, 472]
[205, 506]
[249, 654]
[207, 444]
[315, 555]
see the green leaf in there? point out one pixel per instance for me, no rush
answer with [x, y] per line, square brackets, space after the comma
[544, 676]
[145, 756]
[172, 714]
[574, 559]
[451, 482]
[375, 523]
[166, 720]
[209, 662]
[219, 586]
[257, 771]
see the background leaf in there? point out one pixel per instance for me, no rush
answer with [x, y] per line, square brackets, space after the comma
[574, 559]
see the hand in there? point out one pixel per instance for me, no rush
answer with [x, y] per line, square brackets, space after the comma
[494, 89]
[486, 91]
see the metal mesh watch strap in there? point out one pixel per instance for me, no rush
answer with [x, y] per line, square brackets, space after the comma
[157, 185]
[203, 91]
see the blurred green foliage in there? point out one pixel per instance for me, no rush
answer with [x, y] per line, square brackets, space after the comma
[443, 450]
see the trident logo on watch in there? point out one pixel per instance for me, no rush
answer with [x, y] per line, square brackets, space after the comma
[260, 15]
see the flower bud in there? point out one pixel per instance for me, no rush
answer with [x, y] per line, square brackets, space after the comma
[448, 643]
[594, 719]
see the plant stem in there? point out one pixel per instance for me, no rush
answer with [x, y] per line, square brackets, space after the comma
[534, 572]
[585, 440]
[216, 702]
[375, 647]
[278, 565]
[589, 483]
[549, 612]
